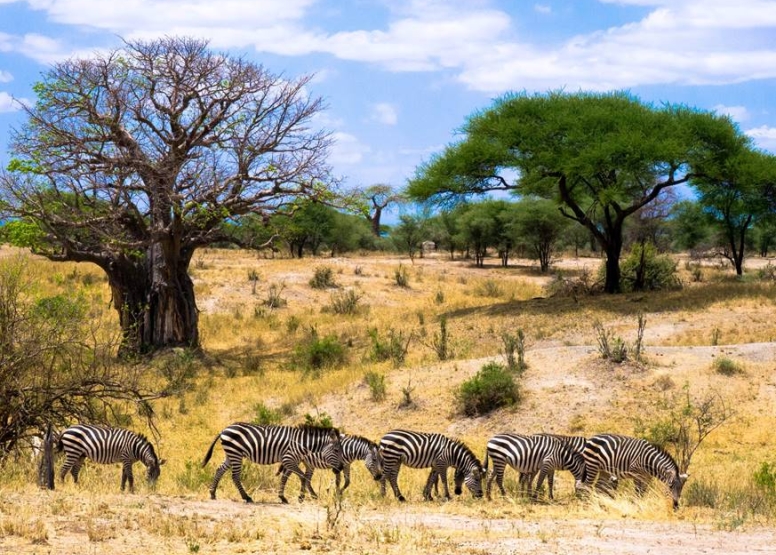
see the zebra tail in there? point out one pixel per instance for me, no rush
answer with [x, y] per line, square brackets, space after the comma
[485, 463]
[210, 451]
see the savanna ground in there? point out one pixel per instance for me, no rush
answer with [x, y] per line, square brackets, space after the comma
[567, 388]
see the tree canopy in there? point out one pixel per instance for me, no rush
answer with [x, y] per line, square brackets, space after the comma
[602, 157]
[133, 159]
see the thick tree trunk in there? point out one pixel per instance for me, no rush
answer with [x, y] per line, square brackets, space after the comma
[375, 221]
[613, 251]
[155, 301]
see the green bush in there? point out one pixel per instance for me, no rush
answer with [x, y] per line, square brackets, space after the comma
[323, 278]
[646, 270]
[394, 348]
[316, 353]
[700, 493]
[491, 388]
[344, 302]
[266, 415]
[376, 383]
[727, 367]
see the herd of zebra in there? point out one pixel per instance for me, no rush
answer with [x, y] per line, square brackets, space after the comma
[598, 461]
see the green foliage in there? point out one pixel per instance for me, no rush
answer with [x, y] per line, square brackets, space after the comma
[323, 278]
[610, 347]
[20, 233]
[493, 387]
[275, 296]
[319, 420]
[266, 415]
[440, 342]
[193, 477]
[765, 479]
[376, 383]
[402, 276]
[394, 348]
[702, 493]
[344, 302]
[319, 353]
[643, 269]
[515, 343]
[727, 367]
[408, 235]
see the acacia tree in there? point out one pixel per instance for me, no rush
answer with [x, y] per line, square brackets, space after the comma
[601, 156]
[735, 199]
[377, 198]
[133, 159]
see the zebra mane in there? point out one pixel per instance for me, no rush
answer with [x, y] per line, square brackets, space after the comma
[312, 428]
[362, 438]
[466, 449]
[665, 454]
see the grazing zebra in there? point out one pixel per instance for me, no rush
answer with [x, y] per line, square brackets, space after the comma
[269, 445]
[529, 455]
[422, 450]
[623, 456]
[354, 448]
[106, 445]
[575, 443]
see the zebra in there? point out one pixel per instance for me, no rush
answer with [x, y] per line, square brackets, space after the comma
[106, 445]
[529, 455]
[354, 448]
[424, 450]
[270, 444]
[575, 443]
[624, 456]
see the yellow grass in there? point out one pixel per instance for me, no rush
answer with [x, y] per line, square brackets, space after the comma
[568, 389]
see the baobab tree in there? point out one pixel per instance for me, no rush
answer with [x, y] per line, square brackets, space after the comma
[133, 159]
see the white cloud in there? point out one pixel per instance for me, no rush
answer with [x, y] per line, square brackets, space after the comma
[737, 113]
[8, 103]
[5, 77]
[385, 113]
[764, 137]
[347, 150]
[542, 8]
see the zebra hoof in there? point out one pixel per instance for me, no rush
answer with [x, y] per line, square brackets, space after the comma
[249, 500]
[301, 498]
[401, 499]
[283, 499]
[212, 495]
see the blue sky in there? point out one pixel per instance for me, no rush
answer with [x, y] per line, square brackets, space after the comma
[400, 76]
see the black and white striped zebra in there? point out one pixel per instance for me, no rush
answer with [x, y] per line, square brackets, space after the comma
[529, 455]
[354, 448]
[424, 450]
[106, 445]
[268, 444]
[629, 457]
[575, 443]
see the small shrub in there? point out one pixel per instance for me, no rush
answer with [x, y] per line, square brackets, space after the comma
[767, 273]
[358, 271]
[439, 298]
[560, 286]
[274, 296]
[320, 420]
[394, 349]
[316, 353]
[344, 302]
[727, 367]
[376, 383]
[611, 347]
[266, 415]
[491, 388]
[515, 344]
[765, 479]
[402, 276]
[407, 402]
[715, 336]
[323, 278]
[441, 342]
[700, 493]
[293, 323]
[489, 288]
[193, 477]
[643, 269]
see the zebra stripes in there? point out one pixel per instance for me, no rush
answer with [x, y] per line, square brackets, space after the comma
[575, 443]
[269, 445]
[354, 448]
[105, 445]
[624, 456]
[529, 455]
[424, 450]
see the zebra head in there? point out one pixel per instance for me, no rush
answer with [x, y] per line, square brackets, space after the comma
[153, 465]
[469, 471]
[374, 461]
[675, 483]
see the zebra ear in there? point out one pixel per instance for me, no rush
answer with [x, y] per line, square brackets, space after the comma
[683, 477]
[162, 461]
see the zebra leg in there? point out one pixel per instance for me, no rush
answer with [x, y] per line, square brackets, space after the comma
[66, 467]
[550, 483]
[442, 475]
[77, 468]
[217, 478]
[393, 479]
[236, 472]
[126, 476]
[346, 472]
[430, 481]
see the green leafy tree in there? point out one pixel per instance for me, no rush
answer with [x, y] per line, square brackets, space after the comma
[538, 226]
[733, 194]
[690, 225]
[601, 156]
[134, 158]
[374, 200]
[409, 234]
[480, 228]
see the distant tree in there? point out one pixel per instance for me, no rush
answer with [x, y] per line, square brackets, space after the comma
[733, 194]
[538, 225]
[134, 158]
[307, 227]
[409, 234]
[764, 234]
[602, 156]
[480, 228]
[376, 198]
[690, 226]
[349, 233]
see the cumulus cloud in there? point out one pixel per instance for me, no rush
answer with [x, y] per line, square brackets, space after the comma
[764, 137]
[384, 113]
[542, 8]
[347, 150]
[8, 103]
[737, 113]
